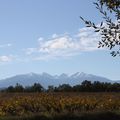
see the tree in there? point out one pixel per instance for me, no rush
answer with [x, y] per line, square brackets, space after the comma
[51, 88]
[18, 88]
[109, 29]
[37, 87]
[86, 86]
[10, 89]
[64, 88]
[99, 86]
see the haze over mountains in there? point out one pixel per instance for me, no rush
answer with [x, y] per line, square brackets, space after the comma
[46, 79]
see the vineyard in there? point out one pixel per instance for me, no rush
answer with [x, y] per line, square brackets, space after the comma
[57, 103]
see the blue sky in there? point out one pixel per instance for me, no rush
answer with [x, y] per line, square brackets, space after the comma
[48, 36]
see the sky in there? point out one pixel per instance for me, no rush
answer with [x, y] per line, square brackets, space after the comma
[48, 36]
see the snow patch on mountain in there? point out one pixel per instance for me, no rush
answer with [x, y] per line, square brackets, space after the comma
[46, 79]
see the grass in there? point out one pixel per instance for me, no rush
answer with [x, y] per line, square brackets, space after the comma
[60, 106]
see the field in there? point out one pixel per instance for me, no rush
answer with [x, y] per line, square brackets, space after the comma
[55, 105]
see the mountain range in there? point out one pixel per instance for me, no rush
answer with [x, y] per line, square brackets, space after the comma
[46, 79]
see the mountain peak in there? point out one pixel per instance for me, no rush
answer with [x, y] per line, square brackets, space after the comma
[46, 79]
[78, 74]
[63, 75]
[46, 75]
[31, 74]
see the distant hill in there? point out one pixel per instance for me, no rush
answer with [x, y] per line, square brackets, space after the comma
[46, 79]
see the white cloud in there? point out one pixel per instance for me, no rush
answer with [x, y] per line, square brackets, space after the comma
[5, 45]
[6, 58]
[65, 45]
[30, 50]
[54, 35]
[40, 39]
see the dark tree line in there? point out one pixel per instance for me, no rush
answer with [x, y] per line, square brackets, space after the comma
[85, 86]
[88, 86]
[19, 88]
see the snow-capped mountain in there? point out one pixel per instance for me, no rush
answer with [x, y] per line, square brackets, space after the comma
[46, 79]
[79, 75]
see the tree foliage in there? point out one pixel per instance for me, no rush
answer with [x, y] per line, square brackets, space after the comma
[19, 88]
[85, 86]
[109, 28]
